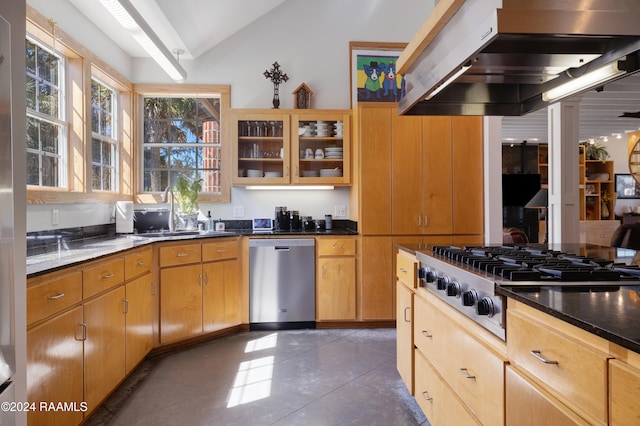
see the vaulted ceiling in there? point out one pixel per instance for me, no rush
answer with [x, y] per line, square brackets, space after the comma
[195, 26]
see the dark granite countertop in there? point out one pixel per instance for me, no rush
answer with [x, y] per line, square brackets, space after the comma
[612, 313]
[65, 253]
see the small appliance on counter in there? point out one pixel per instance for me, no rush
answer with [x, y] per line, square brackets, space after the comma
[151, 220]
[124, 217]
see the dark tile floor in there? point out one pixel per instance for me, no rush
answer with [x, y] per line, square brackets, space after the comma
[294, 377]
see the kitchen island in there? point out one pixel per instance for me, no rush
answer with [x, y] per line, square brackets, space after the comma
[570, 352]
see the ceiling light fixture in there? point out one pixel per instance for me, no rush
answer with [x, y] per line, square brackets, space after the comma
[450, 80]
[593, 78]
[288, 188]
[132, 21]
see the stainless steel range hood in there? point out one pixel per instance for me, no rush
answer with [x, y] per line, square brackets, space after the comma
[501, 57]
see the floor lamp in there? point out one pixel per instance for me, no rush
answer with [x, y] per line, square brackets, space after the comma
[540, 202]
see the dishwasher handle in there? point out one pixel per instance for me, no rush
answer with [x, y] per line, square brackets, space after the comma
[282, 248]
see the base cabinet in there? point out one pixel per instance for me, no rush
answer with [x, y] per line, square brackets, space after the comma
[55, 367]
[404, 333]
[139, 298]
[624, 394]
[336, 279]
[530, 405]
[104, 347]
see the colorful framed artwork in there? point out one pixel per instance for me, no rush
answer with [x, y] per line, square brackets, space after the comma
[373, 72]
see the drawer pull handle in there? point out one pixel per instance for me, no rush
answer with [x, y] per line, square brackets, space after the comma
[337, 247]
[142, 262]
[221, 250]
[425, 395]
[405, 314]
[425, 333]
[56, 297]
[539, 357]
[126, 306]
[404, 271]
[466, 374]
[107, 276]
[84, 332]
[182, 254]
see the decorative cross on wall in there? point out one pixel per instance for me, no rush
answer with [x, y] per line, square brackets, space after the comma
[277, 76]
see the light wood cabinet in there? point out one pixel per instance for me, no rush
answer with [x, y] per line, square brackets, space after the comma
[269, 149]
[560, 361]
[436, 399]
[51, 294]
[404, 332]
[139, 299]
[335, 278]
[200, 297]
[376, 282]
[624, 394]
[531, 405]
[104, 346]
[55, 367]
[102, 276]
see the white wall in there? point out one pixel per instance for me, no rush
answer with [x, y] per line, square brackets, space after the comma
[310, 40]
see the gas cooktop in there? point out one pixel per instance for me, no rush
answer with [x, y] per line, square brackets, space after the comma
[539, 265]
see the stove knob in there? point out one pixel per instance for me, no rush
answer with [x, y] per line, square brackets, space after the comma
[422, 273]
[485, 307]
[453, 289]
[442, 283]
[469, 298]
[430, 276]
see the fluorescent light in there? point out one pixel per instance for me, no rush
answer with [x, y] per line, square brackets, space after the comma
[288, 187]
[448, 82]
[592, 78]
[132, 21]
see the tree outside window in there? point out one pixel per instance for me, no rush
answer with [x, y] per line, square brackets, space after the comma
[46, 129]
[182, 137]
[104, 144]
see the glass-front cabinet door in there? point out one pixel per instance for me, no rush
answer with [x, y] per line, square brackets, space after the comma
[291, 147]
[321, 148]
[261, 148]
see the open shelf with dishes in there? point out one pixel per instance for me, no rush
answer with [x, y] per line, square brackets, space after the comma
[291, 147]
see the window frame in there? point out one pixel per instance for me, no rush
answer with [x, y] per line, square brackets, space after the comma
[111, 140]
[180, 90]
[81, 66]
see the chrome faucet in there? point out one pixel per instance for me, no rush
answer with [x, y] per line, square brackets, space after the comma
[172, 208]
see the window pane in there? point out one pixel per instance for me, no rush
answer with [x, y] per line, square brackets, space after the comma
[33, 133]
[183, 158]
[33, 169]
[95, 150]
[155, 180]
[47, 66]
[97, 178]
[31, 57]
[49, 171]
[107, 153]
[106, 179]
[49, 137]
[155, 157]
[31, 92]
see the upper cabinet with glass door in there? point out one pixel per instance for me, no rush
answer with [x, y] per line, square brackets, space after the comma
[291, 147]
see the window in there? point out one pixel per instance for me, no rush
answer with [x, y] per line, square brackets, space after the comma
[46, 128]
[104, 145]
[182, 137]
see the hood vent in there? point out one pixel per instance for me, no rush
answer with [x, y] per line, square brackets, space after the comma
[512, 57]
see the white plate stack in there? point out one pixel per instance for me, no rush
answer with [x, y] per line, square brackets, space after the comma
[272, 174]
[337, 172]
[321, 129]
[338, 128]
[310, 173]
[254, 173]
[334, 152]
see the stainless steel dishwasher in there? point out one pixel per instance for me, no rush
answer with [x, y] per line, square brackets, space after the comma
[282, 291]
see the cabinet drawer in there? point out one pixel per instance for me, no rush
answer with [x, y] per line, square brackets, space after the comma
[436, 399]
[102, 277]
[530, 405]
[572, 372]
[336, 246]
[472, 370]
[137, 263]
[53, 296]
[406, 266]
[220, 250]
[171, 255]
[624, 394]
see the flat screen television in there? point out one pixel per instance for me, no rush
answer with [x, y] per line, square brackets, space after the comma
[518, 189]
[627, 187]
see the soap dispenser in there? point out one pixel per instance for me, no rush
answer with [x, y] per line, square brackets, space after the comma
[210, 224]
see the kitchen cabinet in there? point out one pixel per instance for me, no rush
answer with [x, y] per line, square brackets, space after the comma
[624, 393]
[559, 359]
[55, 367]
[202, 293]
[530, 405]
[597, 189]
[404, 323]
[418, 178]
[291, 147]
[104, 346]
[335, 278]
